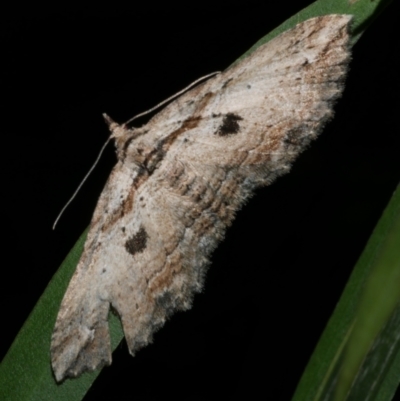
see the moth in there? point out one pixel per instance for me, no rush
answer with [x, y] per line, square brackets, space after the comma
[180, 179]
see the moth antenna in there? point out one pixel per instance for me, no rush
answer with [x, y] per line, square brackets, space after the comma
[112, 123]
[82, 182]
[173, 96]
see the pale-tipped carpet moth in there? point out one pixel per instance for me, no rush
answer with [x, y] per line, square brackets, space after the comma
[180, 179]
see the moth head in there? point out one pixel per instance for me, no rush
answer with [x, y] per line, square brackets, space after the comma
[133, 147]
[117, 131]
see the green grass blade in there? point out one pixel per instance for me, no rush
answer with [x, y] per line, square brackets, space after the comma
[375, 339]
[358, 355]
[25, 372]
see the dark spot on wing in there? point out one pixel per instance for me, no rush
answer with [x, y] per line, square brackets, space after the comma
[229, 125]
[137, 243]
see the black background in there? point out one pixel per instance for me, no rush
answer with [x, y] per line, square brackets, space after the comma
[274, 281]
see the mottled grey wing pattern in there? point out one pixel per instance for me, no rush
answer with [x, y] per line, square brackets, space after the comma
[181, 178]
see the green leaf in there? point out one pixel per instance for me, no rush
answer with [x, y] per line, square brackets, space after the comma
[358, 355]
[25, 372]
